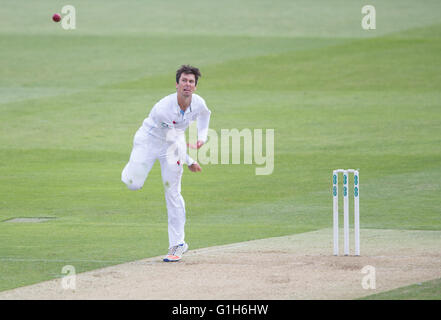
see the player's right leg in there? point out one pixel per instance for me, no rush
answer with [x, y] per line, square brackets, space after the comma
[142, 158]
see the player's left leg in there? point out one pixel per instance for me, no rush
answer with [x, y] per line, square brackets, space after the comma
[171, 178]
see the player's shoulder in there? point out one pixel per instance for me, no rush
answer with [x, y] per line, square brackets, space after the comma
[167, 99]
[198, 101]
[167, 102]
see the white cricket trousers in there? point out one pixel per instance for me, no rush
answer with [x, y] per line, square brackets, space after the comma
[146, 150]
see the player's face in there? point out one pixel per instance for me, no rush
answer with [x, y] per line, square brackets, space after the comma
[186, 85]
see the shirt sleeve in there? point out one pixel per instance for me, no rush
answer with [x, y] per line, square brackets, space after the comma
[203, 122]
[189, 160]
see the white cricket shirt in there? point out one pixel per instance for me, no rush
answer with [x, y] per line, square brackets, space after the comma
[166, 114]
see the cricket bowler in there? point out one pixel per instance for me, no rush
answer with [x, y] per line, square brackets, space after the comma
[162, 137]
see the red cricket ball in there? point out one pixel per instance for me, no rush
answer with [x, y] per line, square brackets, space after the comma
[56, 17]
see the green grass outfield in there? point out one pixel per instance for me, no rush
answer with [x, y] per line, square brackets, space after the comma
[337, 96]
[429, 290]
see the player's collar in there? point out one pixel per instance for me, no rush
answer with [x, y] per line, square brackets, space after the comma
[178, 108]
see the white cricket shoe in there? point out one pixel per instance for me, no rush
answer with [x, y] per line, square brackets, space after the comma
[175, 253]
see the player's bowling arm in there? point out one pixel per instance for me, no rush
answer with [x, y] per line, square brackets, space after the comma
[203, 122]
[195, 167]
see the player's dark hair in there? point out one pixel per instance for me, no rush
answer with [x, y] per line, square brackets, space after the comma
[187, 69]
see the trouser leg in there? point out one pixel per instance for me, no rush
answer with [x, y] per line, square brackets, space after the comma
[171, 178]
[143, 156]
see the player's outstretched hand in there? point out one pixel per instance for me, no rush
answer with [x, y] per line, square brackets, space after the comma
[197, 145]
[195, 167]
